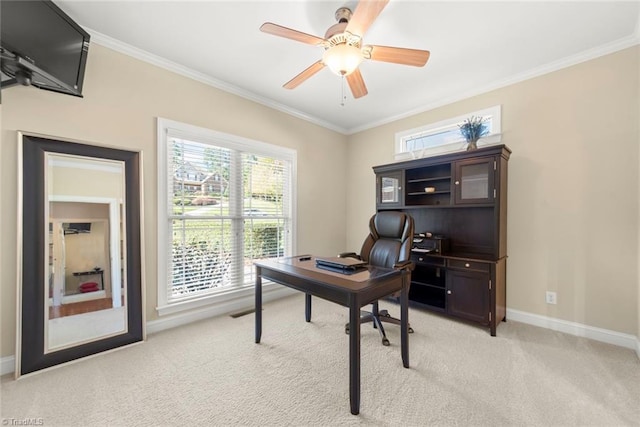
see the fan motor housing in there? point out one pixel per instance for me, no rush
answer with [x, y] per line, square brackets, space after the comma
[343, 14]
[335, 29]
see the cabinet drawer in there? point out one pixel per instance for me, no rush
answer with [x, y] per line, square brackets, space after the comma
[426, 259]
[469, 265]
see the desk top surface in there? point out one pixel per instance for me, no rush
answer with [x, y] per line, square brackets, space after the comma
[304, 267]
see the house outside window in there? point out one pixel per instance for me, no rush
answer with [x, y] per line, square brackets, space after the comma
[223, 202]
[444, 136]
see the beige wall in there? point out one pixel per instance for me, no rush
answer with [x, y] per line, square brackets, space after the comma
[65, 181]
[573, 176]
[122, 98]
[573, 188]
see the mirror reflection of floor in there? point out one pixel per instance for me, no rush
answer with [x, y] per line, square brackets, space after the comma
[80, 307]
[68, 330]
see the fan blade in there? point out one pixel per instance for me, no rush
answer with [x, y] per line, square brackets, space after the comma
[310, 71]
[400, 55]
[288, 33]
[356, 83]
[366, 12]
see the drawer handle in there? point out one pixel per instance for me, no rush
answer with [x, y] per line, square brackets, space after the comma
[457, 182]
[467, 265]
[448, 292]
[420, 259]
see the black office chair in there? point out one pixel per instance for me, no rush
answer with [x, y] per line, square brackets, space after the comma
[388, 245]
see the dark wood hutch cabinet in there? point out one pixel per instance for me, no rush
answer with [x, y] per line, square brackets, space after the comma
[462, 197]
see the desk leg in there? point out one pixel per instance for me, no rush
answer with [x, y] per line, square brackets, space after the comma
[258, 307]
[307, 307]
[404, 319]
[354, 356]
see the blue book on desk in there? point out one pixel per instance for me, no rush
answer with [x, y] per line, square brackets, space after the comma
[340, 265]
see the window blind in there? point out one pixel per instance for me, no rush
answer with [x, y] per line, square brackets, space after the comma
[227, 206]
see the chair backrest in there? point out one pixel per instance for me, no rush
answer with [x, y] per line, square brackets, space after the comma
[390, 239]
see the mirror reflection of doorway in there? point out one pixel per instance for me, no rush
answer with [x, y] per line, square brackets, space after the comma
[80, 265]
[86, 289]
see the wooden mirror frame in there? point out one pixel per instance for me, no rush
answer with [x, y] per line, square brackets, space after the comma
[32, 238]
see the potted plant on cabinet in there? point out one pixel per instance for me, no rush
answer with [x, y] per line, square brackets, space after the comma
[472, 130]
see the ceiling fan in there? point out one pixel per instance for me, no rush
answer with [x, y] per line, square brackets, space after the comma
[343, 46]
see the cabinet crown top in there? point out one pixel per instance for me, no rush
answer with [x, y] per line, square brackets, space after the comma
[490, 150]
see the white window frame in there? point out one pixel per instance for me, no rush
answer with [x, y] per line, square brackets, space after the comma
[170, 129]
[494, 137]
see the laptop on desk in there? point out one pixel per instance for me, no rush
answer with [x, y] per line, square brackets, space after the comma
[341, 265]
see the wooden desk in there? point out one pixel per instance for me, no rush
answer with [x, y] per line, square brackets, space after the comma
[352, 291]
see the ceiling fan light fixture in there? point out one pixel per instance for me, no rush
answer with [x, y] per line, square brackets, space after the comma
[343, 48]
[343, 59]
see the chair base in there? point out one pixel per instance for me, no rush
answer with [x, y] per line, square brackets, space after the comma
[377, 317]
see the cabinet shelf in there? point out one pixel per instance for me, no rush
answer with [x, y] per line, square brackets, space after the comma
[424, 193]
[430, 179]
[428, 285]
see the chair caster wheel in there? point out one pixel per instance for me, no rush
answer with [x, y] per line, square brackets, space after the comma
[385, 342]
[410, 330]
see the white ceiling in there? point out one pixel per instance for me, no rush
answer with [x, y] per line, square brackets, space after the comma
[475, 46]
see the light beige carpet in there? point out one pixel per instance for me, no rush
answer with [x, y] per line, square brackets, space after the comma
[212, 373]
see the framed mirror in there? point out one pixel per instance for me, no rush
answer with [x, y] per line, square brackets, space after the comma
[80, 273]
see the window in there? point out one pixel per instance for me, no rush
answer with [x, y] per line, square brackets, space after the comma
[223, 201]
[445, 135]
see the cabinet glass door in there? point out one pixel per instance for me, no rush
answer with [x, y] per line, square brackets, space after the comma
[390, 189]
[474, 181]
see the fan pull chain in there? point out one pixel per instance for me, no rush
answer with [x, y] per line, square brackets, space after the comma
[343, 96]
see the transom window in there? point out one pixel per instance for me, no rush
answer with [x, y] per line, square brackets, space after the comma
[224, 201]
[445, 135]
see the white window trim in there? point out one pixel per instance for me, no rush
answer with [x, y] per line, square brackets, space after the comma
[196, 133]
[495, 137]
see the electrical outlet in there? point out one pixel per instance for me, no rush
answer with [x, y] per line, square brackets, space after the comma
[551, 298]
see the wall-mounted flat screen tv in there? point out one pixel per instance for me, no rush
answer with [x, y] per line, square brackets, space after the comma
[42, 46]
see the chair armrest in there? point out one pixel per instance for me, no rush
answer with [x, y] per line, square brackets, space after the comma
[349, 255]
[408, 265]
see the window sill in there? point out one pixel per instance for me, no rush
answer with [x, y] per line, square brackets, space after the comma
[227, 297]
[449, 148]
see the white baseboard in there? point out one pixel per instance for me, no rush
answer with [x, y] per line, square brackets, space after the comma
[7, 365]
[577, 329]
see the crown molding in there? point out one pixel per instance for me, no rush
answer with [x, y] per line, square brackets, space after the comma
[142, 55]
[566, 62]
[587, 55]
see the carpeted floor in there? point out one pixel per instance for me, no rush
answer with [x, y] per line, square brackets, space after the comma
[212, 373]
